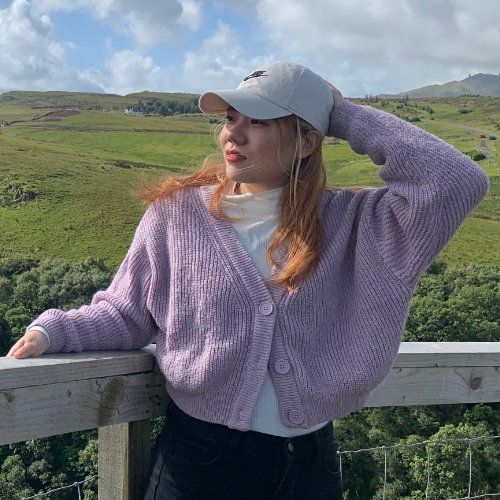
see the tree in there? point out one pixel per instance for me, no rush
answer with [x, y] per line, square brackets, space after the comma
[40, 286]
[449, 305]
[13, 483]
[459, 305]
[5, 290]
[28, 287]
[17, 319]
[476, 155]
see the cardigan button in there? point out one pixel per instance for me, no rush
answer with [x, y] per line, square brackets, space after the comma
[296, 416]
[266, 308]
[282, 366]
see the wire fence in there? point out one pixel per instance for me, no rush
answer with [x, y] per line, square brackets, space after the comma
[384, 449]
[78, 485]
[428, 445]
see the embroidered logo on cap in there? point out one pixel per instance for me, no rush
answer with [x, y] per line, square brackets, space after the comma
[255, 74]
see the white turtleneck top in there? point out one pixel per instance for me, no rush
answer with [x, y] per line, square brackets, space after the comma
[259, 214]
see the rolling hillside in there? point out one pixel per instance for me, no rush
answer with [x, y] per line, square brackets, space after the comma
[70, 161]
[486, 85]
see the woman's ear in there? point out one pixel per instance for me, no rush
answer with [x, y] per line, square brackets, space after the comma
[310, 142]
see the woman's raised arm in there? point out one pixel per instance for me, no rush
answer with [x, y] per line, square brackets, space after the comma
[430, 187]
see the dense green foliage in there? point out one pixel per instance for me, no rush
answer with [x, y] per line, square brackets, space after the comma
[456, 305]
[38, 466]
[50, 284]
[407, 467]
[461, 304]
[167, 107]
[28, 287]
[476, 155]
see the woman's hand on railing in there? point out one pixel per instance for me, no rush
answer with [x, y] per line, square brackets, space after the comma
[32, 343]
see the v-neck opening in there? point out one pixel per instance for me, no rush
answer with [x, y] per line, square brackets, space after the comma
[238, 256]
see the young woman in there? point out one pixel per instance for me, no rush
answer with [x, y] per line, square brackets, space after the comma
[277, 304]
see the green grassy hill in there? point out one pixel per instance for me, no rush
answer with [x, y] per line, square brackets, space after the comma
[76, 171]
[85, 100]
[480, 84]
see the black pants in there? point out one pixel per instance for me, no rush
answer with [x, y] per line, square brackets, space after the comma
[196, 460]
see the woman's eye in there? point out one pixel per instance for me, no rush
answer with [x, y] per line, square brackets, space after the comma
[258, 122]
[229, 118]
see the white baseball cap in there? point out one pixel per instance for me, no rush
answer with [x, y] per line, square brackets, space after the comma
[275, 90]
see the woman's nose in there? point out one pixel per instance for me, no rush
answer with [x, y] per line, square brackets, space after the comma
[236, 133]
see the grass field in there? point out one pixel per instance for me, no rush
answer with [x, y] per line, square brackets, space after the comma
[82, 169]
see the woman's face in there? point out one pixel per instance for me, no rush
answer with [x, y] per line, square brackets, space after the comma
[258, 153]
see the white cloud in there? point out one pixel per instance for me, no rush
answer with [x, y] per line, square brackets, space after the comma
[385, 45]
[191, 14]
[240, 6]
[33, 60]
[151, 22]
[362, 46]
[29, 56]
[221, 62]
[147, 22]
[130, 72]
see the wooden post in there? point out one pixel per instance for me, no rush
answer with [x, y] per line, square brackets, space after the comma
[124, 455]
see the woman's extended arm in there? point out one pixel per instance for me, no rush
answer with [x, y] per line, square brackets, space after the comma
[118, 318]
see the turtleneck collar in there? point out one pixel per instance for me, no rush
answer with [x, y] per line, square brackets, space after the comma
[253, 205]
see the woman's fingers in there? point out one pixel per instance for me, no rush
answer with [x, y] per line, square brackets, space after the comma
[33, 343]
[337, 95]
[337, 99]
[16, 347]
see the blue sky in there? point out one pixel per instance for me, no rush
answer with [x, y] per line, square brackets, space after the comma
[361, 46]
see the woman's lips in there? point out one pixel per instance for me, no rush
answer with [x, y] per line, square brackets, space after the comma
[233, 156]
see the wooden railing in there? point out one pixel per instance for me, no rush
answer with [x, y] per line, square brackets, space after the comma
[119, 392]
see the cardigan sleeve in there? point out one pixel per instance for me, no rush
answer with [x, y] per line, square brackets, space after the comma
[430, 187]
[117, 318]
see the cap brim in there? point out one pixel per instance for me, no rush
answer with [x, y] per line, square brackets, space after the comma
[244, 101]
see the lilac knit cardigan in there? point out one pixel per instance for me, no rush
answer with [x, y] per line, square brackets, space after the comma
[188, 281]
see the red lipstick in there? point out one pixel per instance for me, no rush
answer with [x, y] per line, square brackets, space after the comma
[232, 155]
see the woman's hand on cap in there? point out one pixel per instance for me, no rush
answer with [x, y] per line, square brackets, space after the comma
[337, 99]
[337, 96]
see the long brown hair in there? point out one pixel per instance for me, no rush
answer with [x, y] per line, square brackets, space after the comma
[299, 231]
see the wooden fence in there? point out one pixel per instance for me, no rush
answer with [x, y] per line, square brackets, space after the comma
[119, 392]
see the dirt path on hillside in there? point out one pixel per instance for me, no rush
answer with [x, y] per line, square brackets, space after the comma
[489, 132]
[485, 150]
[55, 116]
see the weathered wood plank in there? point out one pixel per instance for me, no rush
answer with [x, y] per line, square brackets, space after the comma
[48, 410]
[123, 460]
[68, 392]
[58, 368]
[429, 386]
[448, 354]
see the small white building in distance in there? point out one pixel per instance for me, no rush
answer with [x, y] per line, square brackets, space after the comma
[133, 112]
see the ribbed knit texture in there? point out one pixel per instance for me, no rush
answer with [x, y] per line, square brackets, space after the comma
[188, 280]
[258, 219]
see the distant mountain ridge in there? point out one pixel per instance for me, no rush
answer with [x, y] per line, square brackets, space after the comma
[483, 84]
